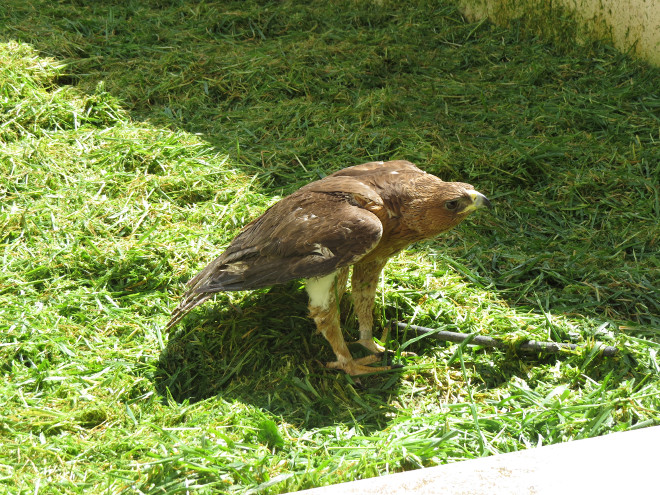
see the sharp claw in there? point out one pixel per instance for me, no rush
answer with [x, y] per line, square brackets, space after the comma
[378, 349]
[356, 367]
[370, 345]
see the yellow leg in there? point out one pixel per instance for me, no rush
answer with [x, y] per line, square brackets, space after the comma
[364, 284]
[324, 310]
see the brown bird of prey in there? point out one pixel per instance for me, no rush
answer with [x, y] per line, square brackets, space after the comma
[359, 216]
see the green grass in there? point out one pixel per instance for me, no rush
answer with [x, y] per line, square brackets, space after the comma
[137, 139]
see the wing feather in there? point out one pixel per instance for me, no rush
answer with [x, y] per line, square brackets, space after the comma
[308, 234]
[305, 235]
[378, 169]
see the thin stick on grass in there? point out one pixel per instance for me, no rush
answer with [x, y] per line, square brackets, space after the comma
[526, 346]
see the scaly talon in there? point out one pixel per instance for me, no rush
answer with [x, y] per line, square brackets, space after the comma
[356, 367]
[370, 345]
[375, 348]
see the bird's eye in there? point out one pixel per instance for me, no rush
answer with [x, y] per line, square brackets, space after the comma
[451, 205]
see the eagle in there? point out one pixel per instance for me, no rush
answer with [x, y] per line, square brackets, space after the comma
[357, 217]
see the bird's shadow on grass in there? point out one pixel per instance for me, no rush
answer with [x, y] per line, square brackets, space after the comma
[267, 353]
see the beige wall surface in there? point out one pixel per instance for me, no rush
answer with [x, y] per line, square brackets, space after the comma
[632, 25]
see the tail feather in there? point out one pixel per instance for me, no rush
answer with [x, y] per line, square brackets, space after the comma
[191, 300]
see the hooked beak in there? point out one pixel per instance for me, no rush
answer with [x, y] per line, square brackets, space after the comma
[478, 201]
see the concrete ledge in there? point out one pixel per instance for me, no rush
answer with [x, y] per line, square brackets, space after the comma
[616, 463]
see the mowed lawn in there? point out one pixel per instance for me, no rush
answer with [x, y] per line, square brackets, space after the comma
[137, 138]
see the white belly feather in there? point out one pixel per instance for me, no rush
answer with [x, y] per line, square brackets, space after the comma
[320, 290]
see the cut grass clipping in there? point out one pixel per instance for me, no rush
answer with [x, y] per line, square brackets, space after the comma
[139, 137]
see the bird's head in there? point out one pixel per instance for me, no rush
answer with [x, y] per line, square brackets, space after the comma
[438, 206]
[463, 199]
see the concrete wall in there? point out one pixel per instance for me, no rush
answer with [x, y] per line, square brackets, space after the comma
[632, 25]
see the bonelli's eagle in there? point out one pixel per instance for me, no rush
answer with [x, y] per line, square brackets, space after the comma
[359, 216]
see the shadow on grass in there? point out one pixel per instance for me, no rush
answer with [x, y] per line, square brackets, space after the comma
[266, 353]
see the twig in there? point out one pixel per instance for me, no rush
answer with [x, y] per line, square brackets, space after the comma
[526, 346]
